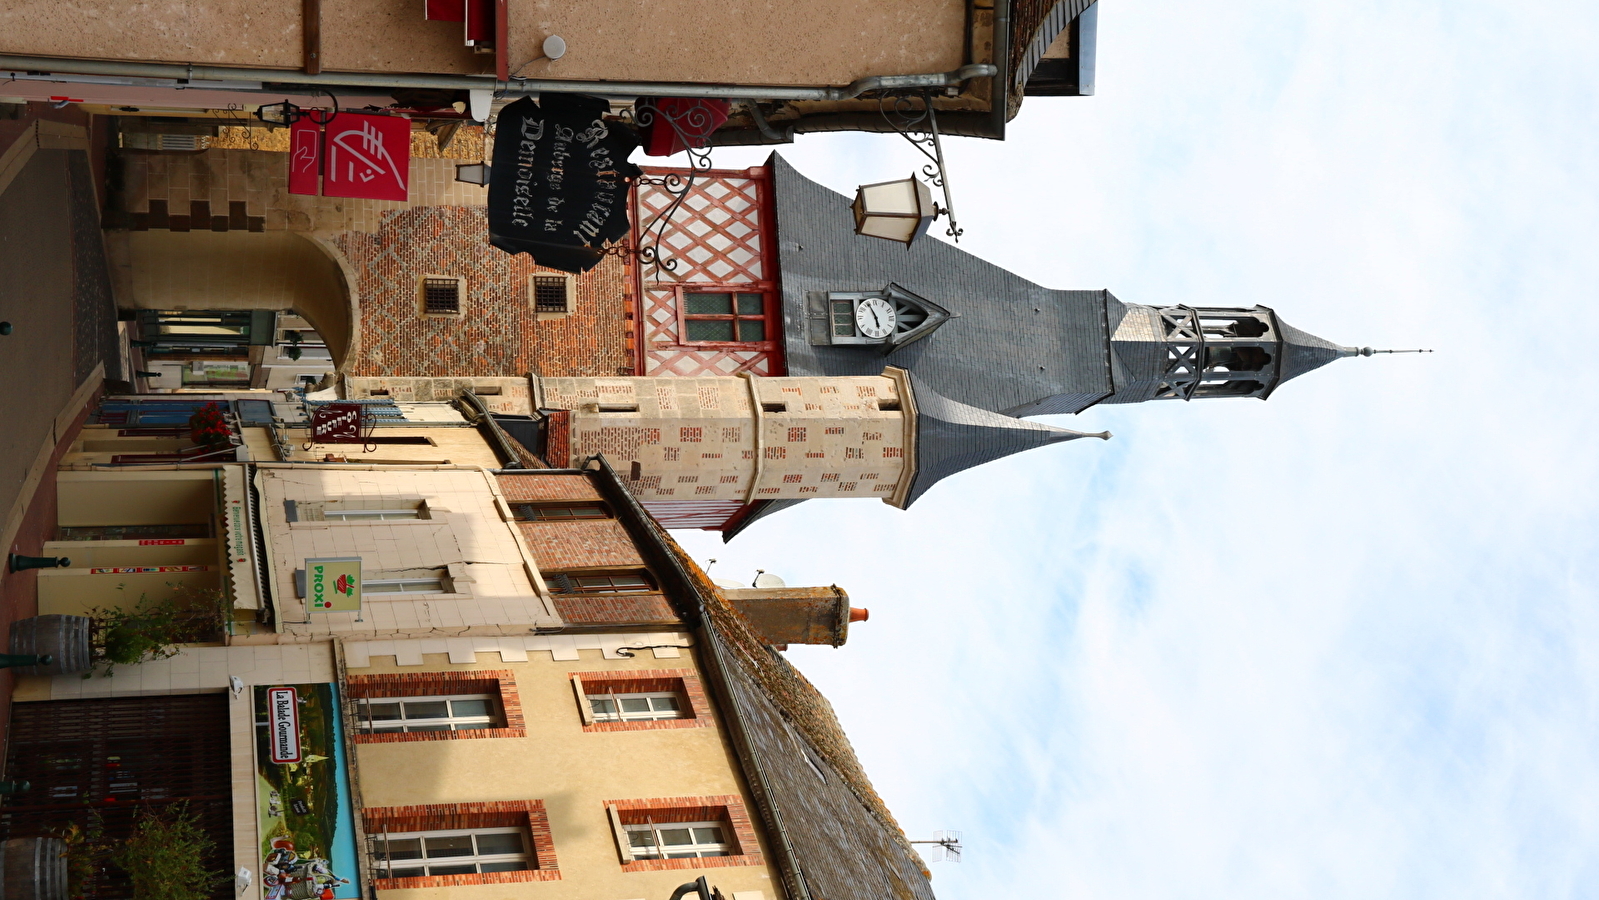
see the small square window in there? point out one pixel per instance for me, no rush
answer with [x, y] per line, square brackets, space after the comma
[551, 294]
[442, 295]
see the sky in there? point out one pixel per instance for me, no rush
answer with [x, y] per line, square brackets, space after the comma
[1337, 644]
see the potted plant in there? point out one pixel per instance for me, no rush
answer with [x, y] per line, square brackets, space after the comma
[152, 628]
[208, 427]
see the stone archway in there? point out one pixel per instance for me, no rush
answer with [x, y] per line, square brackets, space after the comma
[277, 270]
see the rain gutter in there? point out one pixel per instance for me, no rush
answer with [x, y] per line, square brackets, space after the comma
[255, 77]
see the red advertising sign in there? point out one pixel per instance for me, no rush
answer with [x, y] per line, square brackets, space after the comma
[283, 724]
[336, 423]
[305, 157]
[162, 542]
[368, 157]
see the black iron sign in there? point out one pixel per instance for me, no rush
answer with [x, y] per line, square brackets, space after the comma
[560, 180]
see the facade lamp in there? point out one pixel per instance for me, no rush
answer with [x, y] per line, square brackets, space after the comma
[473, 173]
[286, 113]
[895, 210]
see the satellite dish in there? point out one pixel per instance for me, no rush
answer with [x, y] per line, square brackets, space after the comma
[728, 583]
[768, 580]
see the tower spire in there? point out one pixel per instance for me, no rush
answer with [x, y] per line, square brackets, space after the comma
[1367, 351]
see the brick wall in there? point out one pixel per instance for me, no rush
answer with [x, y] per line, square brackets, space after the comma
[615, 609]
[442, 230]
[547, 487]
[498, 332]
[585, 544]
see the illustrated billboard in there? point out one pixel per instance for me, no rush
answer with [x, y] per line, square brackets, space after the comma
[303, 803]
[333, 584]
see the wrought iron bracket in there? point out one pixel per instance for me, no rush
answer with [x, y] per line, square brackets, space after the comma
[691, 126]
[913, 117]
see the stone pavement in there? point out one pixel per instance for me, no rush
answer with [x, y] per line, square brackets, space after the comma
[55, 291]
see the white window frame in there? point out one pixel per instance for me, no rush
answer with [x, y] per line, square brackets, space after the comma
[420, 867]
[366, 515]
[385, 586]
[658, 848]
[402, 725]
[652, 715]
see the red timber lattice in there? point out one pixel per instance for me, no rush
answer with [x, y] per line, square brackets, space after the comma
[723, 238]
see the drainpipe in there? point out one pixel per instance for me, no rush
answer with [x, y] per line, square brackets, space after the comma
[192, 72]
[999, 100]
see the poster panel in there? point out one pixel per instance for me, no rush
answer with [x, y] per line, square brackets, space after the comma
[333, 584]
[368, 157]
[302, 792]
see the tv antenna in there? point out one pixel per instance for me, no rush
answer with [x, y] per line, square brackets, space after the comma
[948, 844]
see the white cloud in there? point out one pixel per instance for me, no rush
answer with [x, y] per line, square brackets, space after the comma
[1334, 645]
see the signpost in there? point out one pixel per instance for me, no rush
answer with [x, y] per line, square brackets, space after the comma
[333, 584]
[283, 724]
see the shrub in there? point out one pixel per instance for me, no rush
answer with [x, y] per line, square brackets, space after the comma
[152, 629]
[165, 857]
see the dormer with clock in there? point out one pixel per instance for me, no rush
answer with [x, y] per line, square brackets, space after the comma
[887, 319]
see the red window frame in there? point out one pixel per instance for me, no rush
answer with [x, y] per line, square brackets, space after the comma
[429, 684]
[726, 808]
[527, 814]
[769, 314]
[683, 682]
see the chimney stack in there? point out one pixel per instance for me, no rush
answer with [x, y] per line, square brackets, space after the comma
[806, 615]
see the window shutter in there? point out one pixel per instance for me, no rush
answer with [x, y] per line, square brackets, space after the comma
[623, 847]
[583, 706]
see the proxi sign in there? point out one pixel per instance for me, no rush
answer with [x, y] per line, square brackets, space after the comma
[333, 584]
[283, 724]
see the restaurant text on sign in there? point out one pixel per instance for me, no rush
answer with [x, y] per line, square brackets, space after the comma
[283, 720]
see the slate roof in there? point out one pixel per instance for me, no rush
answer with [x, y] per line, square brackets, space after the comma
[952, 437]
[1303, 352]
[1015, 347]
[832, 836]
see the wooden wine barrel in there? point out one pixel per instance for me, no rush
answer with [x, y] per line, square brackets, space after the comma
[33, 868]
[66, 638]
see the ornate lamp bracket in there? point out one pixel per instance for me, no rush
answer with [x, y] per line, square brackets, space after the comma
[917, 123]
[692, 126]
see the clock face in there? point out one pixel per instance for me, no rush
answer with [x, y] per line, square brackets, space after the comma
[874, 316]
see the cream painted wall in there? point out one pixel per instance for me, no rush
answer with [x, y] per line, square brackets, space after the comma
[134, 497]
[573, 772]
[496, 586]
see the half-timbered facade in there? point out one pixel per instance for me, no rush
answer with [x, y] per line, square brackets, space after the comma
[711, 304]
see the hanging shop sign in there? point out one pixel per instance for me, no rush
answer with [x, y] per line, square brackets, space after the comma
[337, 423]
[561, 178]
[333, 584]
[303, 803]
[356, 155]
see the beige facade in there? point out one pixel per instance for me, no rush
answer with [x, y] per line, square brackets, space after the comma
[459, 536]
[575, 772]
[744, 438]
[738, 42]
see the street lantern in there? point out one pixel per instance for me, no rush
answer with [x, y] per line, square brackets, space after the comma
[473, 173]
[284, 113]
[895, 210]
